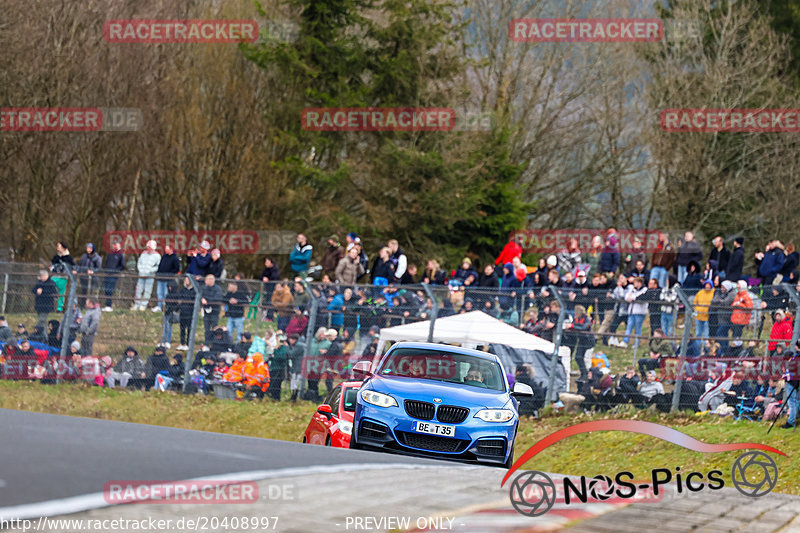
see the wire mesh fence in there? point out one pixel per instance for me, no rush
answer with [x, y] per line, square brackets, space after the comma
[673, 347]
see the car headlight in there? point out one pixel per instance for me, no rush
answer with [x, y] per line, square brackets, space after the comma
[377, 398]
[495, 415]
[346, 427]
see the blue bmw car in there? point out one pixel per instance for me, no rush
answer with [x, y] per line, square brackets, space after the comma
[438, 400]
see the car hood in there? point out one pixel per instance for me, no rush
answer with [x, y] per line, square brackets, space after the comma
[450, 393]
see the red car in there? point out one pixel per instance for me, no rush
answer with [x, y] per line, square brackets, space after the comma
[332, 424]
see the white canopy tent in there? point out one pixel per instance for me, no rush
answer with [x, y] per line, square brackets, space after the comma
[470, 330]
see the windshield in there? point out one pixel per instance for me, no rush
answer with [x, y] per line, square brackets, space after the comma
[443, 366]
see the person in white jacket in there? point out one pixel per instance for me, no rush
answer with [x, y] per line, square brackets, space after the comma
[147, 267]
[637, 309]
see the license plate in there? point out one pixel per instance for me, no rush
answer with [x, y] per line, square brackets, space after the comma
[435, 429]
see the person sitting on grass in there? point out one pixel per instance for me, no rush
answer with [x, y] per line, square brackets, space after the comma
[128, 371]
[155, 364]
[256, 375]
[651, 390]
[599, 391]
[628, 389]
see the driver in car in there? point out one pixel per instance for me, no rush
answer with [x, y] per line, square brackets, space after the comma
[474, 377]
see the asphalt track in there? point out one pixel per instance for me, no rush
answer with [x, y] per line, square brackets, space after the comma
[47, 457]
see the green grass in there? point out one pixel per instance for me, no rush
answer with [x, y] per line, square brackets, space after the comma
[587, 454]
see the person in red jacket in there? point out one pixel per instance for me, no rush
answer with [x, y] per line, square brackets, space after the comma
[511, 250]
[781, 332]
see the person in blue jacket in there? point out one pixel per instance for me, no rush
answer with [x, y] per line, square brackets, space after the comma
[300, 257]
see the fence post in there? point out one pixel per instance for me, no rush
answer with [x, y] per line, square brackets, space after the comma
[688, 311]
[187, 363]
[435, 313]
[65, 326]
[796, 300]
[5, 292]
[562, 316]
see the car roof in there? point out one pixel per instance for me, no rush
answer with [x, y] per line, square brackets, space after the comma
[444, 348]
[352, 384]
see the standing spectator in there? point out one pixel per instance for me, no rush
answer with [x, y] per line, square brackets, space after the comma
[721, 255]
[663, 259]
[702, 302]
[298, 323]
[168, 267]
[609, 257]
[351, 239]
[654, 295]
[147, 267]
[637, 310]
[333, 255]
[634, 256]
[568, 258]
[382, 268]
[433, 274]
[736, 261]
[770, 261]
[282, 301]
[362, 258]
[278, 366]
[687, 252]
[300, 256]
[295, 361]
[789, 269]
[211, 298]
[89, 263]
[63, 259]
[216, 267]
[129, 370]
[89, 325]
[115, 263]
[197, 261]
[334, 351]
[742, 309]
[781, 332]
[529, 406]
[236, 300]
[465, 276]
[593, 255]
[399, 260]
[349, 268]
[579, 337]
[270, 275]
[511, 250]
[669, 296]
[409, 278]
[44, 302]
[5, 331]
[186, 298]
[172, 312]
[59, 264]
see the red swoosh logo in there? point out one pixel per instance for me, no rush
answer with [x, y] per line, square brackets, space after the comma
[634, 426]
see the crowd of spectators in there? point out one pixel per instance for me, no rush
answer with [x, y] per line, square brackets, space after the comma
[600, 289]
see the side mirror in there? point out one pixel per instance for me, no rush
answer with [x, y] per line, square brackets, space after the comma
[325, 410]
[362, 368]
[521, 390]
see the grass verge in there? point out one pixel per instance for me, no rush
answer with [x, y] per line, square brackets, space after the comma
[588, 454]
